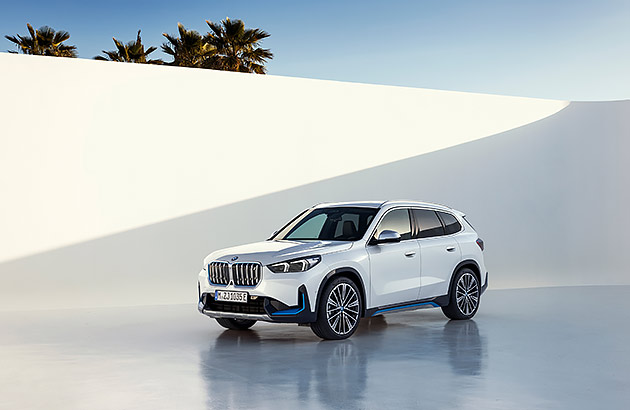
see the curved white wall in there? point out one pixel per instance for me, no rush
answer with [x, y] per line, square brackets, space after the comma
[160, 165]
[90, 148]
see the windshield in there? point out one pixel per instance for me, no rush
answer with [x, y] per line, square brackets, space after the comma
[329, 224]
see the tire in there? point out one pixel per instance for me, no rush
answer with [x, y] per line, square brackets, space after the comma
[336, 322]
[236, 324]
[467, 288]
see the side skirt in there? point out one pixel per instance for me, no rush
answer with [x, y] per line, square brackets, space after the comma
[412, 305]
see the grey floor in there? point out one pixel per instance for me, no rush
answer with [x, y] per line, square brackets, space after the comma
[548, 348]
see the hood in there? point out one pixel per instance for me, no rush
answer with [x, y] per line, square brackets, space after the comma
[268, 252]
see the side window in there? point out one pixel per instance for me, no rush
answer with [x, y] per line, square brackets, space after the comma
[428, 223]
[396, 220]
[451, 225]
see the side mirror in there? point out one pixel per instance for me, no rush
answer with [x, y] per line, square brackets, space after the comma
[388, 236]
[274, 234]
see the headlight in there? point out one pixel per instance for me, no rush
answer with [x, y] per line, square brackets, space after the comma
[295, 265]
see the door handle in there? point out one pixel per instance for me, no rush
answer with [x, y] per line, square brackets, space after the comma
[450, 248]
[410, 254]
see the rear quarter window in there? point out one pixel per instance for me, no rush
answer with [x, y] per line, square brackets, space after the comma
[451, 224]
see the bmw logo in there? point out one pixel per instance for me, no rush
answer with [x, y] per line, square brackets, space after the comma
[234, 258]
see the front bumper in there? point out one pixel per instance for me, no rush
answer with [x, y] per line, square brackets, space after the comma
[282, 298]
[262, 308]
[228, 315]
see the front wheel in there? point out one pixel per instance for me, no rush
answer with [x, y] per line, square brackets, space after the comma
[339, 310]
[464, 297]
[236, 324]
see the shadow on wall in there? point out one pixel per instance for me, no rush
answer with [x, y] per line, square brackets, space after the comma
[549, 200]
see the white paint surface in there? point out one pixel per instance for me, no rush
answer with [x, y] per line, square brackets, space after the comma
[91, 148]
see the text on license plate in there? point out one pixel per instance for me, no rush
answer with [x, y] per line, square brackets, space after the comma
[230, 296]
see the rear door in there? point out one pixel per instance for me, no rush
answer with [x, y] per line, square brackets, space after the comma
[440, 252]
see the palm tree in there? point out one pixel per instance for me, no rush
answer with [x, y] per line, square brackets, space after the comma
[43, 42]
[237, 48]
[189, 49]
[132, 52]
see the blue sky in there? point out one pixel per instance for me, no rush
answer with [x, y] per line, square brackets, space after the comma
[578, 50]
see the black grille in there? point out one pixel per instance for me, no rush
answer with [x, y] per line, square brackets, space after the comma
[219, 273]
[246, 274]
[254, 306]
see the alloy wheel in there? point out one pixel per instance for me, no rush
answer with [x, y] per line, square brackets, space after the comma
[467, 294]
[342, 309]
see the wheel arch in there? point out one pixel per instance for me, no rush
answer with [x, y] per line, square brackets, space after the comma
[468, 263]
[346, 272]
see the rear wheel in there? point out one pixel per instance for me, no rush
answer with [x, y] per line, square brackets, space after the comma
[464, 297]
[236, 324]
[339, 310]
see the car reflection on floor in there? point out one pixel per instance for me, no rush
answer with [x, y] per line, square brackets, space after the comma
[258, 367]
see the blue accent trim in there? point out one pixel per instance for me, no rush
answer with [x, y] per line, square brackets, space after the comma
[292, 311]
[405, 307]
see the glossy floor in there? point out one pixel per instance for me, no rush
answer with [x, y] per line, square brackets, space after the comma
[550, 348]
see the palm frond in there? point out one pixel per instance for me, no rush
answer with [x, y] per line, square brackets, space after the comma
[12, 39]
[237, 47]
[31, 31]
[60, 37]
[189, 49]
[44, 41]
[130, 52]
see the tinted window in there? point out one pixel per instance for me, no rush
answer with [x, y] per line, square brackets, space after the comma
[396, 220]
[311, 228]
[334, 223]
[451, 225]
[428, 223]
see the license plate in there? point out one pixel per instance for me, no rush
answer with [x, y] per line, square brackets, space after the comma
[230, 296]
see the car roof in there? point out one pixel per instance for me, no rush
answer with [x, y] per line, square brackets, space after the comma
[361, 204]
[383, 204]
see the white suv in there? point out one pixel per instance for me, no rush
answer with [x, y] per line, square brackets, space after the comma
[336, 263]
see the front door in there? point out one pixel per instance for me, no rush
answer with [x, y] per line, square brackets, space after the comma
[394, 267]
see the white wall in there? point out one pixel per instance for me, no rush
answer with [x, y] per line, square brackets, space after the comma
[117, 179]
[91, 148]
